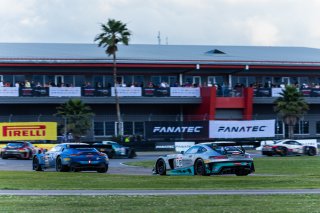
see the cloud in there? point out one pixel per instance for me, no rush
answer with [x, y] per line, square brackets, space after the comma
[223, 22]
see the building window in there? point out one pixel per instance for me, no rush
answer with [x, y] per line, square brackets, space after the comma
[98, 128]
[109, 128]
[104, 128]
[37, 79]
[108, 81]
[279, 128]
[318, 127]
[128, 128]
[79, 80]
[138, 128]
[302, 127]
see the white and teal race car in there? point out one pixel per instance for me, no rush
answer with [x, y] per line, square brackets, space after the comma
[212, 158]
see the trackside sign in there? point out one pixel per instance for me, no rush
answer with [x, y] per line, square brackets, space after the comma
[242, 129]
[28, 131]
[176, 129]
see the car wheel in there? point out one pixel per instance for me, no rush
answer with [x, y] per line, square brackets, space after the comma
[103, 170]
[131, 154]
[200, 168]
[60, 167]
[312, 151]
[4, 157]
[30, 155]
[35, 164]
[283, 151]
[161, 167]
[111, 154]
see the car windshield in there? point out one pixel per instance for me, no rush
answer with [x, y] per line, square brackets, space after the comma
[223, 150]
[15, 145]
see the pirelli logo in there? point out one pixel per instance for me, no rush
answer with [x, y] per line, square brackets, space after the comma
[28, 131]
[21, 131]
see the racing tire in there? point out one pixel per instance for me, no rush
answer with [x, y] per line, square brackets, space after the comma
[60, 167]
[4, 157]
[200, 168]
[283, 151]
[111, 154]
[30, 155]
[312, 151]
[161, 167]
[103, 170]
[35, 164]
[131, 154]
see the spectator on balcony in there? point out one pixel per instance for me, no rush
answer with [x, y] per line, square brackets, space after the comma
[38, 85]
[1, 84]
[176, 84]
[27, 84]
[150, 85]
[98, 85]
[17, 84]
[7, 84]
[88, 85]
[164, 84]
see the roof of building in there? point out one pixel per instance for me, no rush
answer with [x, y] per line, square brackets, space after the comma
[159, 54]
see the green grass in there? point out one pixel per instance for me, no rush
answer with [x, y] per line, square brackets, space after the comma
[271, 173]
[199, 203]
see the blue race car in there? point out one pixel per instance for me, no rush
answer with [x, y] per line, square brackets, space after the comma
[71, 157]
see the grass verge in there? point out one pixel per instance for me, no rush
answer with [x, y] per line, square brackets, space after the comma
[199, 203]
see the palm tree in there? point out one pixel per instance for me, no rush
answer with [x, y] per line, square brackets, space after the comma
[77, 118]
[291, 106]
[114, 32]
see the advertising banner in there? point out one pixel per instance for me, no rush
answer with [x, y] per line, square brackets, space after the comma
[242, 129]
[185, 91]
[276, 92]
[65, 91]
[164, 146]
[28, 131]
[9, 91]
[183, 145]
[127, 91]
[176, 129]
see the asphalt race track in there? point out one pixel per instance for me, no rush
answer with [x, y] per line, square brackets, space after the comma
[116, 166]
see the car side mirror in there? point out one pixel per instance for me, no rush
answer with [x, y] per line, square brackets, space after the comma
[182, 152]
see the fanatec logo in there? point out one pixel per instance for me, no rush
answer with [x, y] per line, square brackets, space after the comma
[177, 129]
[242, 129]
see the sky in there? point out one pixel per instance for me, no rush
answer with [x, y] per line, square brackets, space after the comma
[180, 22]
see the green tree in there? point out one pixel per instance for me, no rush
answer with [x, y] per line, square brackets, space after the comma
[291, 106]
[114, 32]
[77, 118]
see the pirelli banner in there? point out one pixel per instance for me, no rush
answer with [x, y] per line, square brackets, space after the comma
[176, 129]
[242, 129]
[28, 131]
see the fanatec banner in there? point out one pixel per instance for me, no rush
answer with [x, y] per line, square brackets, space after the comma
[177, 129]
[242, 129]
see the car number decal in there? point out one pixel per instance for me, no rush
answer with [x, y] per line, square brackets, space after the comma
[178, 162]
